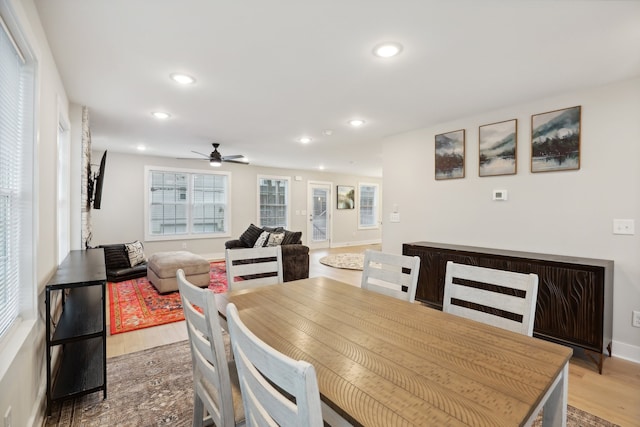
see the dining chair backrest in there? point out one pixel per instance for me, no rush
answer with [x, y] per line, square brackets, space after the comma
[276, 389]
[496, 297]
[391, 274]
[215, 380]
[253, 267]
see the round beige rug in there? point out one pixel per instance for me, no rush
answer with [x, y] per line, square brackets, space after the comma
[349, 261]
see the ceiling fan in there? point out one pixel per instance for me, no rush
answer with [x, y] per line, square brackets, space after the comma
[216, 159]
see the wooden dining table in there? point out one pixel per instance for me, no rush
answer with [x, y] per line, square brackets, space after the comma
[381, 361]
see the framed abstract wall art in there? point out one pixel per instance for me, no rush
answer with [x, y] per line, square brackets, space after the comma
[346, 197]
[555, 140]
[450, 155]
[498, 143]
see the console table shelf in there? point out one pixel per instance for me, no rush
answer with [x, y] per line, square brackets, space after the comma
[575, 295]
[80, 330]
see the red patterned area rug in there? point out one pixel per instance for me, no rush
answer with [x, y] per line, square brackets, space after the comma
[136, 304]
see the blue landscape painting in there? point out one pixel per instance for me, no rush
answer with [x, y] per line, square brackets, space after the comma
[498, 148]
[450, 155]
[555, 140]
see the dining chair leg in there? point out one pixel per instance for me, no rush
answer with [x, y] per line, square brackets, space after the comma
[198, 410]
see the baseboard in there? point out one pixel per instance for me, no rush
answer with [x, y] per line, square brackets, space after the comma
[213, 256]
[626, 351]
[38, 416]
[359, 243]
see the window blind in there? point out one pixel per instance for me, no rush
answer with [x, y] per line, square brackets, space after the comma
[14, 90]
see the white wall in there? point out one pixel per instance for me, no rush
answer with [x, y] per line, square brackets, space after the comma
[23, 382]
[564, 213]
[121, 217]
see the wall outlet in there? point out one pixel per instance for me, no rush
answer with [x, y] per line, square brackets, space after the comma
[184, 245]
[635, 320]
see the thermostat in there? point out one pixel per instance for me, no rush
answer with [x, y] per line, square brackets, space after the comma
[499, 194]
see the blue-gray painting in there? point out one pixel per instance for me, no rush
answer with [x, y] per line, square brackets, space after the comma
[450, 155]
[498, 148]
[555, 140]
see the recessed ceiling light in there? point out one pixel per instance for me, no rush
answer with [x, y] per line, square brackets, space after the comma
[141, 147]
[183, 79]
[305, 140]
[387, 49]
[321, 167]
[356, 122]
[160, 115]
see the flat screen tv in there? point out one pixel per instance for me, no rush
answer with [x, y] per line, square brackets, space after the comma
[99, 181]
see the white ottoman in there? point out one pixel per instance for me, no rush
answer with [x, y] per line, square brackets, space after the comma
[162, 266]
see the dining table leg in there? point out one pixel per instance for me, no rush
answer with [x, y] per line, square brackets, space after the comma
[555, 408]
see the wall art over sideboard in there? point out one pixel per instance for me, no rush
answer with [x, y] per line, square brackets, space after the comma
[498, 143]
[450, 155]
[555, 140]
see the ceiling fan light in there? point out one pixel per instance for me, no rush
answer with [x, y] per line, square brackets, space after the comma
[215, 163]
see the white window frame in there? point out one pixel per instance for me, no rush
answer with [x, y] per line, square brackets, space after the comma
[25, 252]
[376, 207]
[287, 179]
[189, 234]
[63, 185]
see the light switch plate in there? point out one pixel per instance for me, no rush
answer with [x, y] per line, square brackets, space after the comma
[624, 226]
[394, 217]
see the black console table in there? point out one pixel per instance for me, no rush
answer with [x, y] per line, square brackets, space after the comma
[575, 295]
[80, 331]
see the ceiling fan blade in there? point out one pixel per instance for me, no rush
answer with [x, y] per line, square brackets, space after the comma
[191, 158]
[236, 156]
[202, 154]
[246, 162]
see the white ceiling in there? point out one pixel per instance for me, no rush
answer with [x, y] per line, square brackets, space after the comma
[269, 72]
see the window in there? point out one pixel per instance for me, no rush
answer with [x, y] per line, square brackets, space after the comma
[186, 204]
[273, 201]
[368, 202]
[17, 281]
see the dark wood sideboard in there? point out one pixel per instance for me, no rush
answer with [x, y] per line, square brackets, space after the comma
[575, 295]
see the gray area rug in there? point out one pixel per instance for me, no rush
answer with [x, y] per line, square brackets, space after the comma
[154, 388]
[350, 261]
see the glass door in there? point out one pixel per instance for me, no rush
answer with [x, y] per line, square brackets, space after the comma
[319, 209]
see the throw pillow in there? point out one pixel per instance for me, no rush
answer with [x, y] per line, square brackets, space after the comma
[275, 239]
[136, 253]
[292, 237]
[262, 240]
[251, 234]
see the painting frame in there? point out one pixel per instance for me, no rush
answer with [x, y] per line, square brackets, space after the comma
[450, 155]
[498, 148]
[346, 197]
[556, 140]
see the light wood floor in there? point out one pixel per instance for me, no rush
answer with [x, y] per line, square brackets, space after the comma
[614, 395]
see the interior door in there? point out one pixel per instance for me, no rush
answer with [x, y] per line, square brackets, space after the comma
[319, 212]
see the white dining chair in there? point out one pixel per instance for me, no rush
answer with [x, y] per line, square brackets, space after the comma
[253, 267]
[387, 274]
[466, 294]
[276, 389]
[215, 379]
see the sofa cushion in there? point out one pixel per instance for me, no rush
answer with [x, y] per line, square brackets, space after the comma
[251, 234]
[275, 239]
[135, 252]
[262, 240]
[115, 256]
[292, 237]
